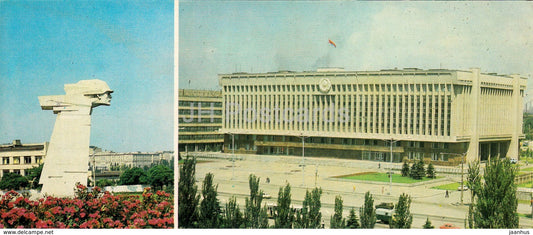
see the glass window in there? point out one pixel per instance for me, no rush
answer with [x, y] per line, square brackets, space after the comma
[5, 161]
[27, 159]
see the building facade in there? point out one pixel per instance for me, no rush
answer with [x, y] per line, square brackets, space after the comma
[105, 160]
[200, 119]
[18, 158]
[436, 115]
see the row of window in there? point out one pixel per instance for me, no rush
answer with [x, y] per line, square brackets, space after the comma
[195, 111]
[199, 137]
[342, 88]
[25, 159]
[344, 141]
[199, 128]
[199, 103]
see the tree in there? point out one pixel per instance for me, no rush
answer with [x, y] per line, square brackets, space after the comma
[252, 212]
[367, 212]
[336, 220]
[104, 183]
[428, 224]
[405, 169]
[417, 170]
[283, 214]
[496, 202]
[233, 216]
[210, 212]
[159, 176]
[402, 217]
[352, 220]
[473, 179]
[132, 176]
[13, 181]
[431, 171]
[33, 175]
[473, 182]
[310, 215]
[187, 197]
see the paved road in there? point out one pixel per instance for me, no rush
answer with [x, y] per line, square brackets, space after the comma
[427, 202]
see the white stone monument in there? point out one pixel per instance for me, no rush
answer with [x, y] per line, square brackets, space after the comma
[67, 159]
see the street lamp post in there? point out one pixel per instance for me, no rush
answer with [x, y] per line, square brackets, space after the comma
[232, 155]
[392, 141]
[462, 171]
[303, 158]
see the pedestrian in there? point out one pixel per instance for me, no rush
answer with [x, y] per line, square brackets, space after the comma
[379, 165]
[447, 195]
[354, 188]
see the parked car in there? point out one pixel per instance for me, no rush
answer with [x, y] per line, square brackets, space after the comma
[464, 188]
[448, 226]
[513, 160]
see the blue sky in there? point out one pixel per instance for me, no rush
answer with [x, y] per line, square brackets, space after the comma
[227, 37]
[128, 44]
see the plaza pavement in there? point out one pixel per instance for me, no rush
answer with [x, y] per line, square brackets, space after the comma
[427, 202]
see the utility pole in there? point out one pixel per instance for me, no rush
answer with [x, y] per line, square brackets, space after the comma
[303, 158]
[391, 141]
[463, 155]
[232, 155]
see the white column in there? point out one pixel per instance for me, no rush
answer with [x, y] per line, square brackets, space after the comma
[473, 148]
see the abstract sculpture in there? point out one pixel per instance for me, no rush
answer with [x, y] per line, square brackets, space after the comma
[67, 159]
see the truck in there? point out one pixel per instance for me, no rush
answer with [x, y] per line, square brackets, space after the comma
[384, 212]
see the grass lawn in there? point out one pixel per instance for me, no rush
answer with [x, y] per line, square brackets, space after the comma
[383, 177]
[527, 169]
[525, 185]
[451, 187]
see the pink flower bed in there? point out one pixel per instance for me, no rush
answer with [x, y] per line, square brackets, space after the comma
[89, 209]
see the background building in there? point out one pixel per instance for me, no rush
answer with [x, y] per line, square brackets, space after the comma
[17, 157]
[105, 160]
[434, 114]
[200, 118]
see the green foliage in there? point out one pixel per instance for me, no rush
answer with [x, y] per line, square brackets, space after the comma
[402, 217]
[310, 215]
[528, 126]
[428, 224]
[405, 169]
[336, 220]
[33, 175]
[263, 218]
[496, 202]
[233, 216]
[159, 176]
[367, 212]
[470, 216]
[187, 197]
[352, 220]
[104, 183]
[417, 170]
[431, 171]
[13, 181]
[210, 212]
[132, 176]
[253, 203]
[284, 215]
[473, 179]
